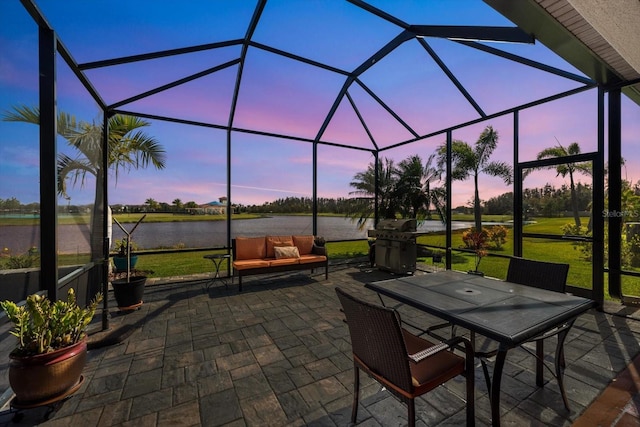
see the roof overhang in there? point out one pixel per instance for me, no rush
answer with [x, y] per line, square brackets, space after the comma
[598, 37]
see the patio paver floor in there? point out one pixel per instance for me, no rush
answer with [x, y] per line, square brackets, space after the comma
[279, 354]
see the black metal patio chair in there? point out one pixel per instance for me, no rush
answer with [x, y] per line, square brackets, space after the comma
[406, 365]
[543, 275]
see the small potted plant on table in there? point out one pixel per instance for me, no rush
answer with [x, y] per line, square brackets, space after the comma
[46, 364]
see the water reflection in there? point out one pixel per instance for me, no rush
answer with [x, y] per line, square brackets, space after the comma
[150, 235]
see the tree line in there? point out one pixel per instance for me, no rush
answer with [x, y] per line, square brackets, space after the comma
[411, 188]
[547, 201]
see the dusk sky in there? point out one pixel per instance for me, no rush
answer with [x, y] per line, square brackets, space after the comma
[283, 96]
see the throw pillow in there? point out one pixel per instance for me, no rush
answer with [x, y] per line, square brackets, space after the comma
[277, 241]
[250, 248]
[286, 252]
[304, 244]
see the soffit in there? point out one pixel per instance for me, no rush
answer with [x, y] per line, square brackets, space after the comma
[599, 37]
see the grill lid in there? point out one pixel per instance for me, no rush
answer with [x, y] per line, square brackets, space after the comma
[403, 225]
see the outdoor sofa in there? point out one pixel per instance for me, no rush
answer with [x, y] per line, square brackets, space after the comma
[274, 254]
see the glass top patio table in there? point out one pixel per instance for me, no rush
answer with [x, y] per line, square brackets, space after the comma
[506, 312]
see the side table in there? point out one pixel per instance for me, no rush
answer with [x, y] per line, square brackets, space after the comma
[217, 260]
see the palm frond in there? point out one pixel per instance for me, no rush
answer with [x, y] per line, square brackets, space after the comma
[73, 169]
[501, 170]
[23, 114]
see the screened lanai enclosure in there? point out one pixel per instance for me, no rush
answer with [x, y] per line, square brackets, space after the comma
[239, 104]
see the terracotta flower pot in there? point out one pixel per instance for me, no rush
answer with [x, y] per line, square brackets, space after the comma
[46, 376]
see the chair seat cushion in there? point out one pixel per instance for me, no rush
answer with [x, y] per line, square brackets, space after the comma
[307, 259]
[282, 261]
[250, 263]
[434, 370]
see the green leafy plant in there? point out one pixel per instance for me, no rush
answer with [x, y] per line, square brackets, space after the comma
[125, 246]
[42, 326]
[29, 259]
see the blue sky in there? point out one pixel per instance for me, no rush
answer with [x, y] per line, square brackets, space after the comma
[283, 96]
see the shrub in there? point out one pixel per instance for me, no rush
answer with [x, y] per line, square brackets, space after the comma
[497, 235]
[27, 260]
[477, 241]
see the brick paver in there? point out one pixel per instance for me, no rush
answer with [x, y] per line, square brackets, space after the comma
[278, 354]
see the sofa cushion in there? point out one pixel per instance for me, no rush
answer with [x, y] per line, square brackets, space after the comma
[283, 261]
[304, 244]
[250, 263]
[273, 241]
[307, 259]
[250, 248]
[286, 252]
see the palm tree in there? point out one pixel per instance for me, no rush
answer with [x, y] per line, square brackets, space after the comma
[408, 189]
[152, 204]
[568, 169]
[365, 185]
[471, 161]
[436, 195]
[128, 147]
[177, 203]
[415, 189]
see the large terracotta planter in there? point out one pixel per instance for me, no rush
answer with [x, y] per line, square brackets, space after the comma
[129, 293]
[45, 377]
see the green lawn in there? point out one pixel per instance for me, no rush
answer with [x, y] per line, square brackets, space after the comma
[539, 249]
[184, 263]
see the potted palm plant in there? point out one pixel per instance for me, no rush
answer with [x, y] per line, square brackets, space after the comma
[47, 362]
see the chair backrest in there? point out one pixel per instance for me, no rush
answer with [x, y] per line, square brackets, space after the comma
[539, 274]
[377, 340]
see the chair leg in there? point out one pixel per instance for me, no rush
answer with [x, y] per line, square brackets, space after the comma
[412, 412]
[487, 378]
[470, 389]
[540, 363]
[560, 352]
[356, 392]
[560, 365]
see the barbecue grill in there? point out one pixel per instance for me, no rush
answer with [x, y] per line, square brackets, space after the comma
[395, 246]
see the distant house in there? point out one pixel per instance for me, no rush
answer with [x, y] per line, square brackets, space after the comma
[216, 207]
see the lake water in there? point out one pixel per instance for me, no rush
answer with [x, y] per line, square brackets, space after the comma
[195, 234]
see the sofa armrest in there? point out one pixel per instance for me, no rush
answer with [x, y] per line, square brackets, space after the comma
[319, 250]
